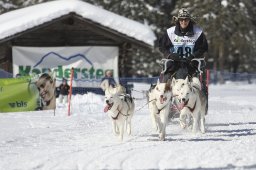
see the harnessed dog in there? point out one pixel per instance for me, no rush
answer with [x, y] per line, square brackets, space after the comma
[120, 108]
[160, 96]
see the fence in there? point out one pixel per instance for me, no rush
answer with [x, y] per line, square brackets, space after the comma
[224, 76]
[215, 77]
[127, 82]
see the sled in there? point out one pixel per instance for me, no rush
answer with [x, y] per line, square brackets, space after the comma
[182, 73]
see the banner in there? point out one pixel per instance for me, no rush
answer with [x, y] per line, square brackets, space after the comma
[28, 93]
[89, 63]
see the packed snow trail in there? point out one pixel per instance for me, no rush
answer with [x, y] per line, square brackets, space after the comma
[84, 140]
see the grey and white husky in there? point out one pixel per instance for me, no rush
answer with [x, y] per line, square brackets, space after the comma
[159, 98]
[120, 108]
[194, 102]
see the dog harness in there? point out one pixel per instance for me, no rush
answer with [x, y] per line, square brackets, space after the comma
[159, 110]
[119, 110]
[191, 109]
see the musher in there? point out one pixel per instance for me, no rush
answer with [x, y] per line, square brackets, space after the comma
[182, 45]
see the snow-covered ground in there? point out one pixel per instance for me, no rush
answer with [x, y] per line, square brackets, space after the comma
[84, 140]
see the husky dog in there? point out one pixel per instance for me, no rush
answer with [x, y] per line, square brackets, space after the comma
[193, 101]
[159, 97]
[120, 108]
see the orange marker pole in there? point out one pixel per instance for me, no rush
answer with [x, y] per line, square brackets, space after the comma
[70, 90]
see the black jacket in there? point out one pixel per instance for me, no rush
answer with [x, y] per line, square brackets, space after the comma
[111, 81]
[201, 45]
[64, 89]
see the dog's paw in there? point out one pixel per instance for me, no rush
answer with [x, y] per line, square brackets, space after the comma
[161, 137]
[121, 138]
[202, 130]
[182, 125]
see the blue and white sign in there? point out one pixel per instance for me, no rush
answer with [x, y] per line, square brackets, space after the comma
[89, 62]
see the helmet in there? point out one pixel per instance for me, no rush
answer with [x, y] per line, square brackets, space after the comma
[184, 13]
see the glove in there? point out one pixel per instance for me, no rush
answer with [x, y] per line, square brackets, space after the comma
[194, 64]
[174, 56]
[165, 64]
[189, 58]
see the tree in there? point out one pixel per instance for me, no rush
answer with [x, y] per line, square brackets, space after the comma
[228, 25]
[155, 14]
[7, 5]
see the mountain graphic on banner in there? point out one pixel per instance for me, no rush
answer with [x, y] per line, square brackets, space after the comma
[54, 54]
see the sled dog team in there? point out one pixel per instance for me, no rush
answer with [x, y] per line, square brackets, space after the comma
[162, 97]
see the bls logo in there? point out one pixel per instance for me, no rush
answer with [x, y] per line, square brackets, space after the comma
[18, 104]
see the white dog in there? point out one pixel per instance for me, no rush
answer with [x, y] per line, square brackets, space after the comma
[120, 108]
[193, 101]
[159, 97]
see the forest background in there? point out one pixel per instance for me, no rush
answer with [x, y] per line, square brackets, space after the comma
[229, 25]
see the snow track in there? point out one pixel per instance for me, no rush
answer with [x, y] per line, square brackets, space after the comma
[39, 140]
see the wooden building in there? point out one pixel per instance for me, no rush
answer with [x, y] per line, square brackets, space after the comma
[71, 28]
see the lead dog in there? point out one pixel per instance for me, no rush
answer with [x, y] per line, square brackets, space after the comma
[120, 109]
[193, 100]
[159, 98]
